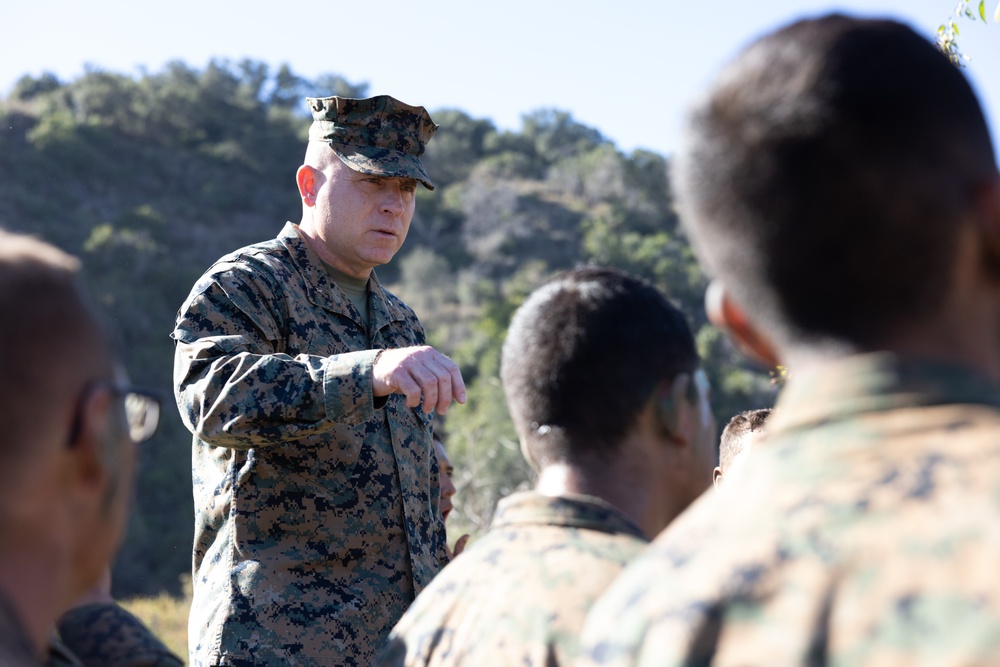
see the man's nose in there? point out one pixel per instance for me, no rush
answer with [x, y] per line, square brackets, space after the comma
[392, 199]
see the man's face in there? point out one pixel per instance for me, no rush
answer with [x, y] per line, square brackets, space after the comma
[362, 219]
[446, 471]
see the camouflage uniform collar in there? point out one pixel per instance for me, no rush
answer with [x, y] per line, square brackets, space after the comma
[326, 294]
[875, 382]
[571, 511]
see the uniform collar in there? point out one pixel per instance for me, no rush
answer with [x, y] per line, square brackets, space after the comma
[324, 293]
[571, 511]
[875, 382]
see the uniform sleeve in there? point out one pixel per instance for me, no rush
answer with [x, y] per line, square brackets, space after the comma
[107, 635]
[233, 386]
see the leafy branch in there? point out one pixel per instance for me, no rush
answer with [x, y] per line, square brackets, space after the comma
[948, 33]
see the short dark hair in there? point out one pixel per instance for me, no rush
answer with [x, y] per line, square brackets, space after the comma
[827, 174]
[731, 443]
[582, 357]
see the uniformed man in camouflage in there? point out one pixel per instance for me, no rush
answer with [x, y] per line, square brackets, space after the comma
[601, 377]
[839, 184]
[69, 422]
[310, 392]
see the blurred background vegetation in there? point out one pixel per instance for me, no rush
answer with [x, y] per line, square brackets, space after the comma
[149, 179]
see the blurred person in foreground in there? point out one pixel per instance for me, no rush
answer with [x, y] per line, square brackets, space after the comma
[737, 441]
[446, 472]
[838, 182]
[602, 381]
[70, 421]
[309, 390]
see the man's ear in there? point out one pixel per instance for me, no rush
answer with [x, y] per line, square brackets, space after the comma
[89, 446]
[308, 179]
[671, 399]
[724, 313]
[717, 477]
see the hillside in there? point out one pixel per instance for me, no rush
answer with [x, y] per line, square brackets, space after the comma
[150, 179]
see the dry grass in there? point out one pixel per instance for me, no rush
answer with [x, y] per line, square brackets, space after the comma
[166, 616]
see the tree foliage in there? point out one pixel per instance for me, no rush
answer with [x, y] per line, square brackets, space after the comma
[948, 33]
[152, 178]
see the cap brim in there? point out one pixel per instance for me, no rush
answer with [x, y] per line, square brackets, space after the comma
[382, 162]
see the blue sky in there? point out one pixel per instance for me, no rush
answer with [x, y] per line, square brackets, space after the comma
[625, 67]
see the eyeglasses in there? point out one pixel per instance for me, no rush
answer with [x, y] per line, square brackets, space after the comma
[142, 409]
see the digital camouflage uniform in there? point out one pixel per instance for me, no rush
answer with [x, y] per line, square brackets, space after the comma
[519, 595]
[863, 530]
[107, 635]
[316, 505]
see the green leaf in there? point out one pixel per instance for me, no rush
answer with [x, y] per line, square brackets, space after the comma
[982, 10]
[954, 28]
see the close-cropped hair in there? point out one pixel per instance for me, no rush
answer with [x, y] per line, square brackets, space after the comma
[733, 437]
[49, 334]
[582, 357]
[320, 155]
[827, 174]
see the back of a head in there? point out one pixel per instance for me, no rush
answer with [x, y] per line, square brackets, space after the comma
[52, 343]
[735, 434]
[582, 357]
[825, 177]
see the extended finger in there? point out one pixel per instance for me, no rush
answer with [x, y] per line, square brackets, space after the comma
[457, 383]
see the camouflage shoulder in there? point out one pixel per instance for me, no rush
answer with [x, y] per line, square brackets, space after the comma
[251, 276]
[259, 258]
[107, 634]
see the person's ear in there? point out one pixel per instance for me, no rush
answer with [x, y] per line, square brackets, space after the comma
[672, 406]
[717, 477]
[89, 444]
[308, 179]
[725, 314]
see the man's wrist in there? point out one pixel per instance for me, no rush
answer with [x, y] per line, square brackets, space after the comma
[377, 401]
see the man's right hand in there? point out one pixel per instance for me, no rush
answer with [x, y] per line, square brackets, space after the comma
[419, 372]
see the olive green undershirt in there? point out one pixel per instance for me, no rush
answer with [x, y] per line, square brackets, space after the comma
[356, 290]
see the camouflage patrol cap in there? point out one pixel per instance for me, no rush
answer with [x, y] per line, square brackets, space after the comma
[375, 135]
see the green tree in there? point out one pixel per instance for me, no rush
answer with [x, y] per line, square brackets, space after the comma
[458, 145]
[556, 135]
[948, 33]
